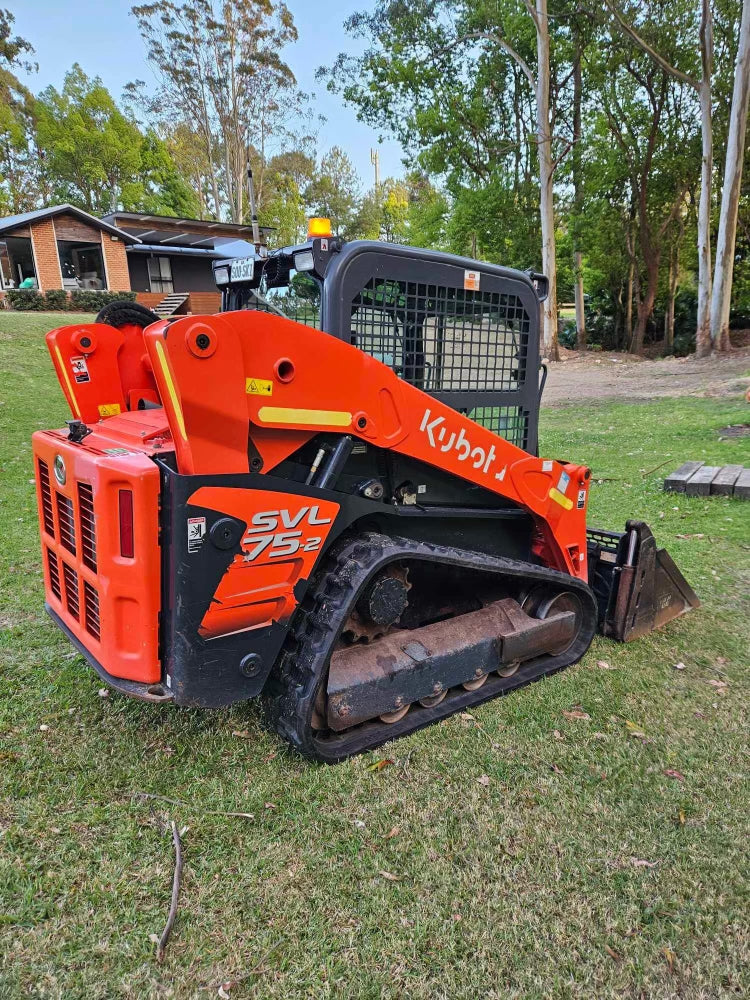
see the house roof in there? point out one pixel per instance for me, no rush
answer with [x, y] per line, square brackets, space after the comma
[12, 222]
[170, 230]
[227, 249]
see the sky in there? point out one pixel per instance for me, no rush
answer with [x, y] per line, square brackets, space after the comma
[102, 36]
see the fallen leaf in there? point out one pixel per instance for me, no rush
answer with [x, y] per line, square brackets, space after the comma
[558, 735]
[43, 728]
[360, 824]
[634, 730]
[154, 938]
[681, 817]
[721, 660]
[690, 536]
[642, 863]
[669, 955]
[466, 715]
[721, 686]
[242, 734]
[455, 917]
[223, 992]
[389, 875]
[393, 832]
[380, 764]
[483, 779]
[671, 773]
[270, 805]
[576, 713]
[679, 666]
[599, 736]
[103, 693]
[603, 665]
[612, 953]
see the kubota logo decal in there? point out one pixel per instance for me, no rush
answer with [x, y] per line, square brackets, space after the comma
[265, 534]
[441, 438]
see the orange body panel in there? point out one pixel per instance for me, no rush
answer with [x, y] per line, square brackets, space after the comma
[284, 382]
[102, 371]
[284, 536]
[109, 603]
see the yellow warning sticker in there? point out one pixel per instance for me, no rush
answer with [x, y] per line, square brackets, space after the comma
[109, 409]
[560, 498]
[258, 387]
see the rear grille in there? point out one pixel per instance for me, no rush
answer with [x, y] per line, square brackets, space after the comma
[90, 609]
[71, 590]
[54, 574]
[67, 522]
[88, 525]
[48, 519]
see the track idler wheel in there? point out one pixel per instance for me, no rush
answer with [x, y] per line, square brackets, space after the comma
[541, 604]
[380, 607]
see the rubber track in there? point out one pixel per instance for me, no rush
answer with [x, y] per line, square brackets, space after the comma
[289, 695]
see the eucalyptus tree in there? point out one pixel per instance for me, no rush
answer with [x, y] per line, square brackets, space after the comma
[221, 68]
[730, 199]
[471, 90]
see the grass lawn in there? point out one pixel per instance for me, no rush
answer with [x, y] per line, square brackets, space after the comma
[517, 853]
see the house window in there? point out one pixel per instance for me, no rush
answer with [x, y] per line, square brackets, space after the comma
[81, 265]
[17, 263]
[160, 274]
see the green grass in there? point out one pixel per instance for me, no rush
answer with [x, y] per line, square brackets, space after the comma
[526, 884]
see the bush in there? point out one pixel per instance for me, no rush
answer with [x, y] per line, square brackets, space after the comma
[56, 300]
[25, 299]
[84, 300]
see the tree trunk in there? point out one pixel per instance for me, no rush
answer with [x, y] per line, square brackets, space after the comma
[578, 197]
[646, 305]
[723, 273]
[674, 269]
[703, 329]
[580, 311]
[546, 172]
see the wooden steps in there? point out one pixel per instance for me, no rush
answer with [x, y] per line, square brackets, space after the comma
[696, 479]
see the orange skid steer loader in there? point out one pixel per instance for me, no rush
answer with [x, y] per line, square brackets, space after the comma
[328, 495]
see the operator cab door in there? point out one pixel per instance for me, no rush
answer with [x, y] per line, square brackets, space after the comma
[466, 333]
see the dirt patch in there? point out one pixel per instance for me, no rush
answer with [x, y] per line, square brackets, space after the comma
[735, 431]
[611, 375]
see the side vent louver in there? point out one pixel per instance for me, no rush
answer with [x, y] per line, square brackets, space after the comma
[71, 590]
[54, 574]
[88, 525]
[47, 517]
[90, 609]
[66, 520]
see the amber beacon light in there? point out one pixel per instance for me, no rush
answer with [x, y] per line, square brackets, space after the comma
[318, 227]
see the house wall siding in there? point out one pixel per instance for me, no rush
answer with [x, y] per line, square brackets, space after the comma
[116, 263]
[67, 227]
[46, 259]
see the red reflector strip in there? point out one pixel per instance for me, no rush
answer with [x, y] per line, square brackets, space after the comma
[126, 524]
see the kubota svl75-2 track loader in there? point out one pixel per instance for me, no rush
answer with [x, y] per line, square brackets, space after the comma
[342, 511]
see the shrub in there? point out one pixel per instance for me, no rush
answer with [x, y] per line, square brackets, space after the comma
[25, 299]
[85, 300]
[56, 300]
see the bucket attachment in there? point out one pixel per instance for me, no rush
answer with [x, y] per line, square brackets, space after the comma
[637, 586]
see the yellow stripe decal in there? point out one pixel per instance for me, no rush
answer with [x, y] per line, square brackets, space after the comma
[167, 373]
[311, 418]
[64, 370]
[560, 498]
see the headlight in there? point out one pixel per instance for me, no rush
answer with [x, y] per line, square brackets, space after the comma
[221, 275]
[304, 261]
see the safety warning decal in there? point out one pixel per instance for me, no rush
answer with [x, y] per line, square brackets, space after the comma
[581, 500]
[109, 409]
[258, 387]
[80, 370]
[562, 482]
[471, 281]
[196, 532]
